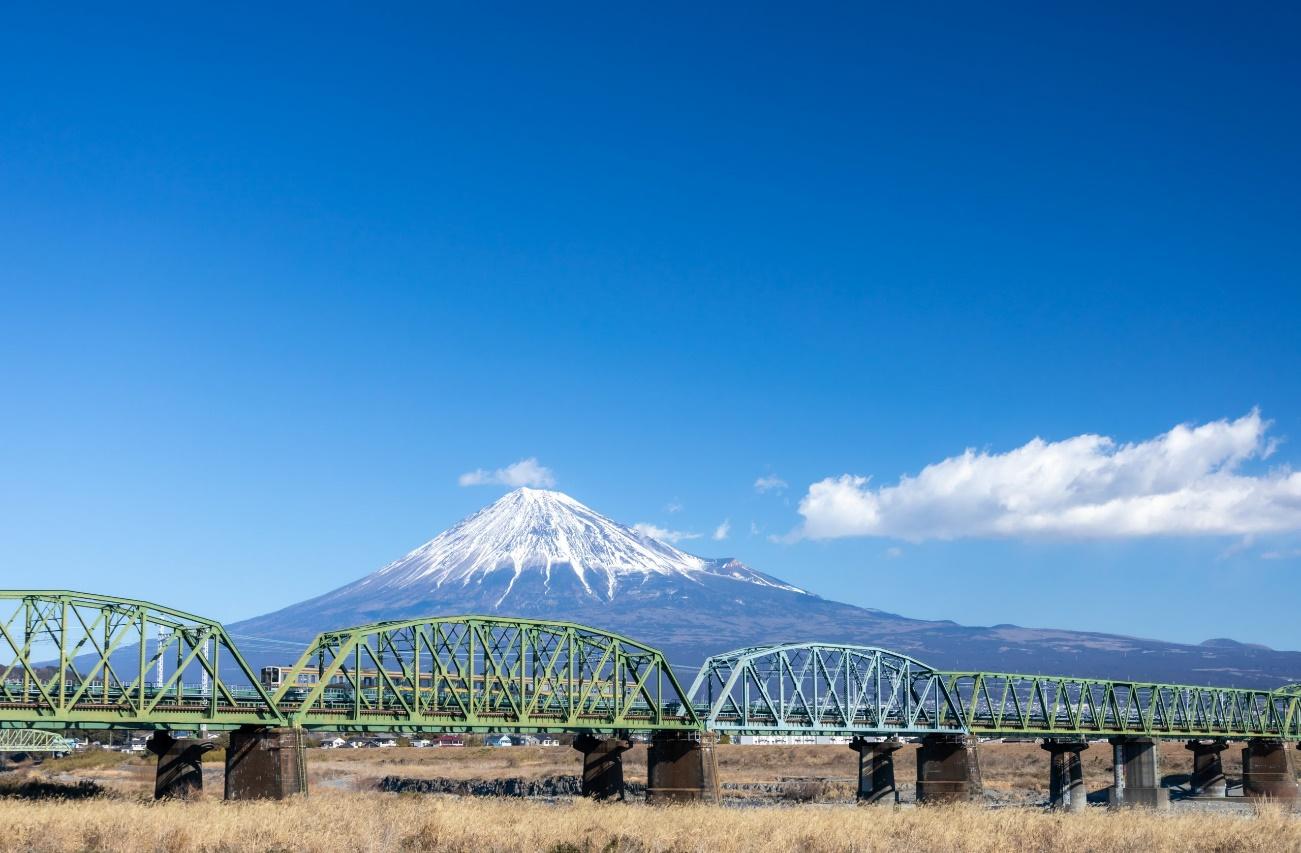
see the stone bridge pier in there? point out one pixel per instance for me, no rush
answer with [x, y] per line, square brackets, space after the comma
[1267, 771]
[682, 767]
[264, 763]
[602, 765]
[876, 769]
[1137, 774]
[1066, 774]
[1207, 779]
[948, 769]
[180, 768]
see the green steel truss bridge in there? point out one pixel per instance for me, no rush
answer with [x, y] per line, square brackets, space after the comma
[78, 661]
[31, 741]
[478, 673]
[72, 660]
[825, 689]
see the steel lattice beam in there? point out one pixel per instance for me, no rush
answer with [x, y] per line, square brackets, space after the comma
[823, 689]
[479, 673]
[827, 689]
[32, 740]
[1054, 706]
[70, 659]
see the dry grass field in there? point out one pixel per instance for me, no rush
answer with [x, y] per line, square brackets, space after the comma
[334, 822]
[344, 812]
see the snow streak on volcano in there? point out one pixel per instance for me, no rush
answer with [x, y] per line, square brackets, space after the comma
[548, 534]
[543, 555]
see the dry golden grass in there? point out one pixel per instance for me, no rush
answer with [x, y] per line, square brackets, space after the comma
[94, 759]
[339, 821]
[344, 813]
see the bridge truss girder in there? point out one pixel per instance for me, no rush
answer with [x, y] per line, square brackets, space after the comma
[481, 673]
[32, 740]
[70, 659]
[823, 689]
[1004, 704]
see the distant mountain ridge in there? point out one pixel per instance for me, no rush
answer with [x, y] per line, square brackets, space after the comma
[542, 554]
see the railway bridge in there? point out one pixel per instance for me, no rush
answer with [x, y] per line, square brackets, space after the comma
[72, 661]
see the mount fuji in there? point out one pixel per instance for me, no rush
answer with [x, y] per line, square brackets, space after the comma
[542, 554]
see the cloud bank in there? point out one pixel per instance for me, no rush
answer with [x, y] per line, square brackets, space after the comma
[1184, 482]
[526, 472]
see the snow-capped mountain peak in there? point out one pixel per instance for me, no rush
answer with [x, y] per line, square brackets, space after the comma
[539, 532]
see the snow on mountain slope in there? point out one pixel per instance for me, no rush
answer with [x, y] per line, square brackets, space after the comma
[542, 554]
[549, 534]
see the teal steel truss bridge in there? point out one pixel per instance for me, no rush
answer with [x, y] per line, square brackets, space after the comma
[75, 661]
[818, 689]
[828, 689]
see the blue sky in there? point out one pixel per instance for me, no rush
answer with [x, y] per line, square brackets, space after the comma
[274, 280]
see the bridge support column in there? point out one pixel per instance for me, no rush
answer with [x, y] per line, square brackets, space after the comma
[1137, 774]
[1207, 779]
[180, 769]
[602, 765]
[682, 767]
[1267, 771]
[876, 770]
[948, 769]
[265, 763]
[1066, 775]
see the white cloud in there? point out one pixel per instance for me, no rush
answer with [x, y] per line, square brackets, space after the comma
[672, 507]
[894, 551]
[1286, 554]
[1236, 548]
[721, 531]
[1184, 482]
[769, 483]
[663, 534]
[755, 529]
[526, 472]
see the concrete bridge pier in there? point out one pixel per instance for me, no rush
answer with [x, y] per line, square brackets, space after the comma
[1137, 774]
[1207, 779]
[264, 763]
[948, 769]
[682, 767]
[876, 770]
[1066, 775]
[1267, 771]
[602, 765]
[180, 769]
